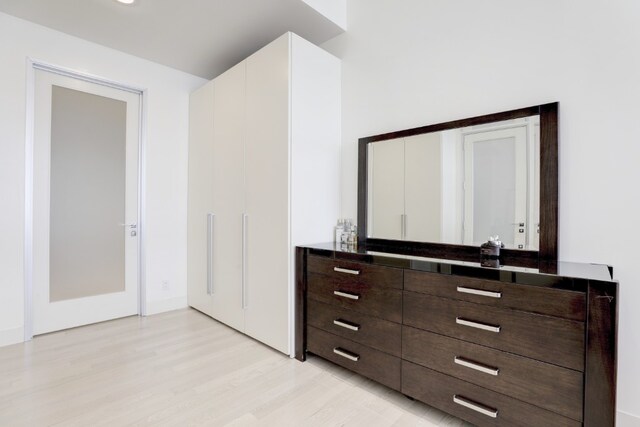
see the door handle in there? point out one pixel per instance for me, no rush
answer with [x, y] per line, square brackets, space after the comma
[210, 223]
[404, 221]
[245, 220]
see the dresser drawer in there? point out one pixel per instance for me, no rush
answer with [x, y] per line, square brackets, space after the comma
[377, 333]
[552, 302]
[475, 404]
[550, 339]
[541, 384]
[354, 272]
[366, 361]
[366, 298]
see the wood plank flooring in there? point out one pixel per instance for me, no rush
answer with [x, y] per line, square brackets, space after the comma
[180, 369]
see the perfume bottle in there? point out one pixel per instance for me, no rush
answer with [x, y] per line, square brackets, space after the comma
[338, 230]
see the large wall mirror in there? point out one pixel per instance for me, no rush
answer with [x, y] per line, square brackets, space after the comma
[443, 189]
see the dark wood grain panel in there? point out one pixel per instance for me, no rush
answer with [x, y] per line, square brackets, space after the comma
[368, 274]
[374, 364]
[542, 384]
[600, 371]
[548, 243]
[552, 302]
[373, 332]
[376, 301]
[437, 389]
[300, 327]
[549, 339]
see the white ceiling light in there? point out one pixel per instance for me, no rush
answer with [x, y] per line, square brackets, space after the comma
[127, 2]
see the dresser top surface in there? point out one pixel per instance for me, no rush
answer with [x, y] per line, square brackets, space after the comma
[361, 253]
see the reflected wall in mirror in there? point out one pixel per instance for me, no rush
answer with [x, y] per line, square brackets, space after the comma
[443, 189]
[458, 186]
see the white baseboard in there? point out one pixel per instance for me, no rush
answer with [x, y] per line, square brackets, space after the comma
[161, 306]
[11, 336]
[627, 420]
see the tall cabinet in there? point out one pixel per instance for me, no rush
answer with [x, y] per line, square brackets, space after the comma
[264, 148]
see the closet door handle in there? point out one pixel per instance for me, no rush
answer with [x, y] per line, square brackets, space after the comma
[210, 223]
[346, 295]
[245, 221]
[480, 292]
[474, 406]
[346, 354]
[404, 222]
[477, 366]
[346, 325]
[477, 325]
[346, 270]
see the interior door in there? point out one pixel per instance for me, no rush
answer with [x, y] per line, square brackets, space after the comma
[227, 169]
[200, 219]
[85, 205]
[267, 234]
[496, 186]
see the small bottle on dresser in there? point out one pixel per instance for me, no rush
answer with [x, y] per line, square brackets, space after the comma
[339, 229]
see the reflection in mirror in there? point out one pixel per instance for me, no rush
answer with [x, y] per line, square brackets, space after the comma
[458, 186]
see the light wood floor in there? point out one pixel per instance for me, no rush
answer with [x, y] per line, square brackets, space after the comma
[183, 368]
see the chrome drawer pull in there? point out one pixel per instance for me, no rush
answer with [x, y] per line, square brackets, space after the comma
[346, 270]
[346, 354]
[477, 325]
[346, 295]
[485, 410]
[345, 324]
[479, 292]
[478, 367]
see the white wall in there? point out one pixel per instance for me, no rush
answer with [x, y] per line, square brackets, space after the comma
[416, 62]
[166, 159]
[335, 10]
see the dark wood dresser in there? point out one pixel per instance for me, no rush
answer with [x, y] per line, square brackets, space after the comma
[496, 347]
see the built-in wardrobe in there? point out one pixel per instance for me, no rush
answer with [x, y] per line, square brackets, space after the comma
[264, 147]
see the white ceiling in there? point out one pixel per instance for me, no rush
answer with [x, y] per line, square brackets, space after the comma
[201, 37]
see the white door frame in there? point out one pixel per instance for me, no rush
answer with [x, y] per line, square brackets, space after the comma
[32, 66]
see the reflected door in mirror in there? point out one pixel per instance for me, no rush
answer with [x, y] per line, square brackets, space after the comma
[496, 186]
[457, 186]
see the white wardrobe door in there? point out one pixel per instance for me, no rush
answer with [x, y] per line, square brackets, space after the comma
[199, 196]
[267, 195]
[423, 194]
[228, 196]
[386, 204]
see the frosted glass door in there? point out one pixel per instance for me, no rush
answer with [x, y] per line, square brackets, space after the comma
[85, 203]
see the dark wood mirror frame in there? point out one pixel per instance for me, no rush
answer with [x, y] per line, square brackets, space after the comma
[548, 244]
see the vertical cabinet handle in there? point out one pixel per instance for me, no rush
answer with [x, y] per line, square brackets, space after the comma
[210, 222]
[474, 406]
[245, 220]
[406, 230]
